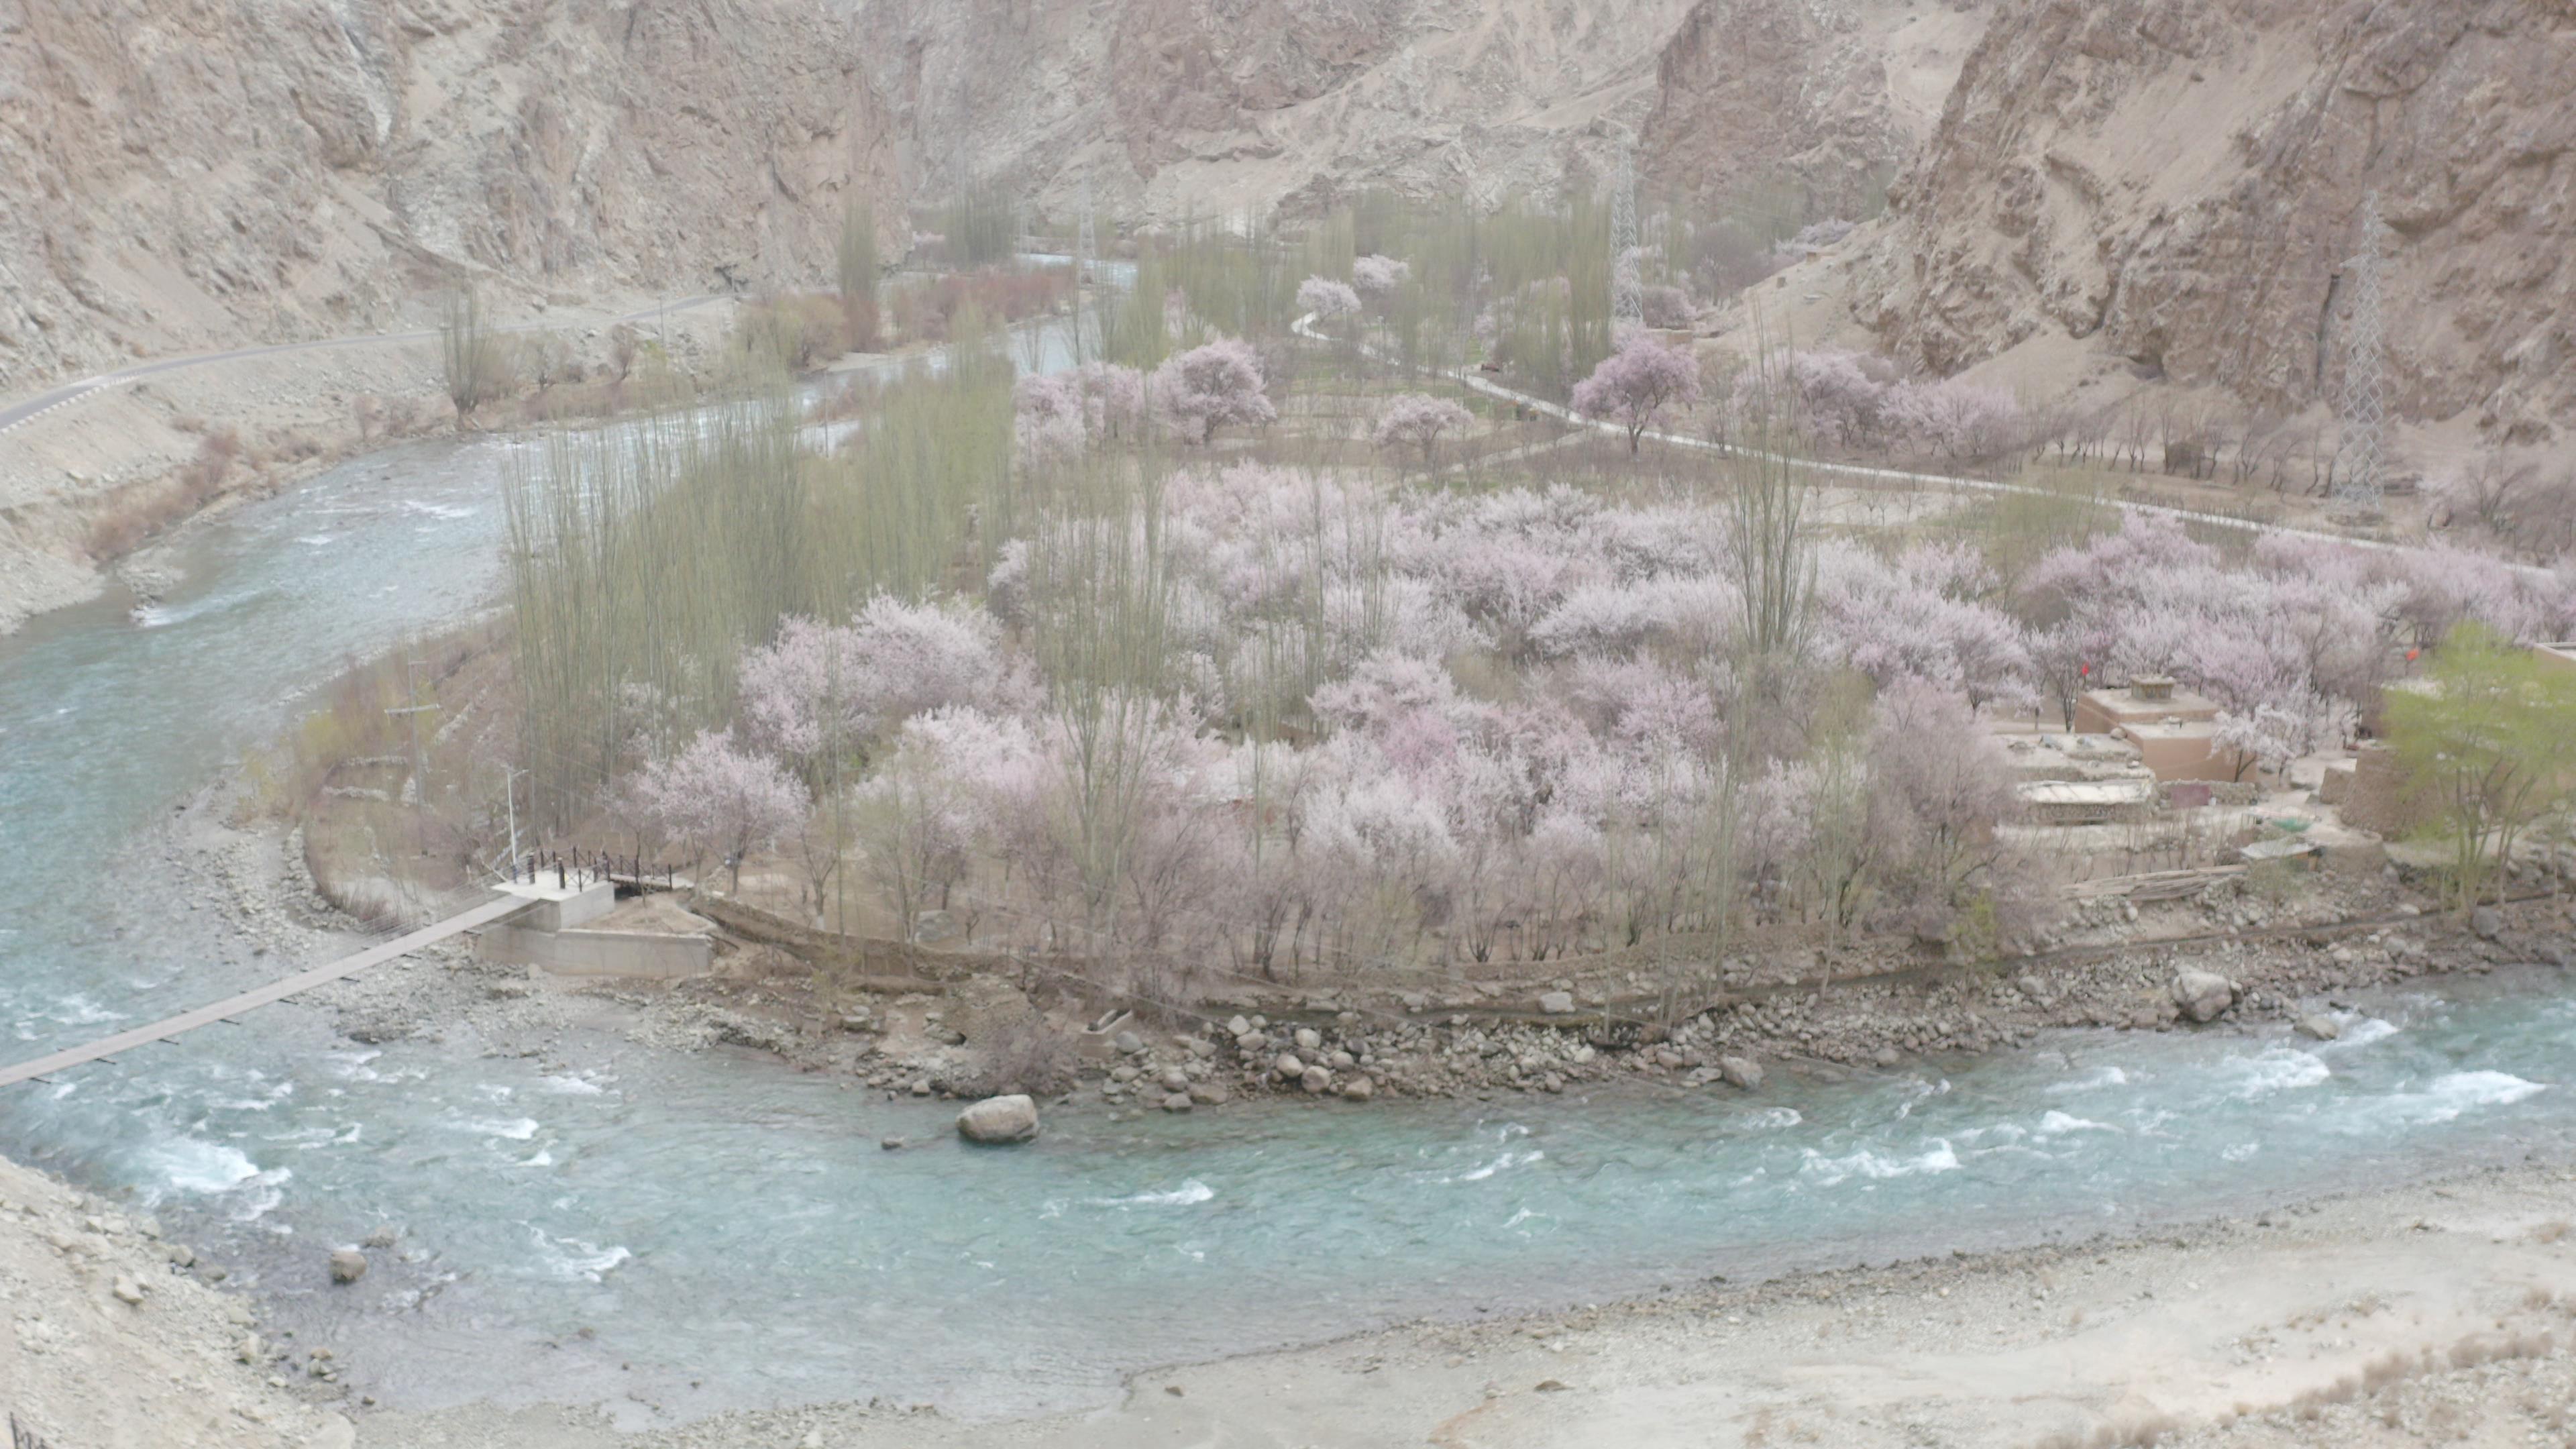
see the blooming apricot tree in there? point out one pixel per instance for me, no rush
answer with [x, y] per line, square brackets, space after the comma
[1633, 385]
[1419, 420]
[1208, 387]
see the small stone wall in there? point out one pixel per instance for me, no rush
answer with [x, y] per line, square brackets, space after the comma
[651, 955]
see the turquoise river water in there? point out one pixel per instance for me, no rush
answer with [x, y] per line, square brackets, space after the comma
[645, 1223]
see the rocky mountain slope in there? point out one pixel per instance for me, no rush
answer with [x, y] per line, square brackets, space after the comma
[2176, 185]
[184, 174]
[1229, 106]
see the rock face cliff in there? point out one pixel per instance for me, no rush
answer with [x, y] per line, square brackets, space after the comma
[189, 173]
[2178, 184]
[1797, 93]
[1235, 105]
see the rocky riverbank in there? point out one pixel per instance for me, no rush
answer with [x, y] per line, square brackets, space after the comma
[116, 1336]
[2223, 956]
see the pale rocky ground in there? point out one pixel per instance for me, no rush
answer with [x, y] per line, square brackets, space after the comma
[114, 1342]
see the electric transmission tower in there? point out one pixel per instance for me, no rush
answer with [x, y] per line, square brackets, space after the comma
[1085, 245]
[1084, 240]
[1627, 292]
[2361, 484]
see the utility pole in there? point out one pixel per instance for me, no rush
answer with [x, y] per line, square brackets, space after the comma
[1627, 291]
[412, 712]
[510, 789]
[2360, 487]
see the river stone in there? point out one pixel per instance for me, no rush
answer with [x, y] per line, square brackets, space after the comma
[1359, 1089]
[250, 1348]
[2487, 921]
[2320, 1026]
[1238, 1027]
[1175, 1080]
[384, 1237]
[1308, 1039]
[1288, 1066]
[348, 1265]
[2202, 995]
[1252, 1043]
[180, 1255]
[1888, 1056]
[1176, 1102]
[1210, 1094]
[1556, 1003]
[128, 1291]
[1129, 1043]
[1742, 1072]
[1316, 1080]
[999, 1120]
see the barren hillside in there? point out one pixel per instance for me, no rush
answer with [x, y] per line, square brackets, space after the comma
[2175, 186]
[189, 173]
[1173, 105]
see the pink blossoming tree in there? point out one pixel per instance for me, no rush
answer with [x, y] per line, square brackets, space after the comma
[1419, 420]
[1634, 385]
[1209, 387]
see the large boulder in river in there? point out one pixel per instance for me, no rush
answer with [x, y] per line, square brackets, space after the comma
[1742, 1072]
[999, 1120]
[348, 1265]
[2202, 995]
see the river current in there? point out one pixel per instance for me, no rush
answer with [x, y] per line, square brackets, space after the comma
[676, 1235]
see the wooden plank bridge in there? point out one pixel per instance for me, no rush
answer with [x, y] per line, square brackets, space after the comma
[106, 1047]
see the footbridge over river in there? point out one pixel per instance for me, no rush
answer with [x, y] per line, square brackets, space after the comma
[543, 900]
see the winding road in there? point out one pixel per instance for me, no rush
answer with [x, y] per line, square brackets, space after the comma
[11, 415]
[1305, 327]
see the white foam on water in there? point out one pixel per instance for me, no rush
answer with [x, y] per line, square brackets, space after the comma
[79, 1010]
[516, 1129]
[191, 1164]
[2451, 1094]
[2280, 1069]
[1916, 1090]
[2359, 1031]
[1504, 1163]
[2057, 1123]
[1190, 1191]
[571, 1087]
[495, 1093]
[575, 1260]
[317, 540]
[545, 1158]
[254, 1198]
[2241, 1151]
[2093, 1080]
[1939, 1157]
[436, 510]
[1773, 1118]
